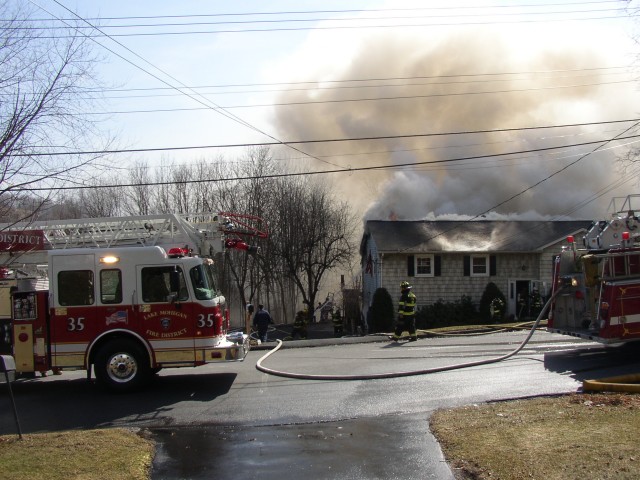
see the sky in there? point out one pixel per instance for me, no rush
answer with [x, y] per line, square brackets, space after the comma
[457, 109]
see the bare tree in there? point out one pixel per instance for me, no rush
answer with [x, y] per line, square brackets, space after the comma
[248, 273]
[162, 193]
[102, 202]
[203, 193]
[43, 81]
[65, 206]
[138, 198]
[312, 234]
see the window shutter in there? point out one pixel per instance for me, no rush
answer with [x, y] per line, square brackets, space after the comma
[492, 265]
[467, 265]
[411, 266]
[437, 260]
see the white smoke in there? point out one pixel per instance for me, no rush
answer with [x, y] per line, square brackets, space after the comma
[451, 103]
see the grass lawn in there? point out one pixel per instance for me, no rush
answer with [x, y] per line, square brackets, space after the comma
[574, 436]
[76, 455]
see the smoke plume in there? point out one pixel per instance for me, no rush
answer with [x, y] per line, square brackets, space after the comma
[531, 77]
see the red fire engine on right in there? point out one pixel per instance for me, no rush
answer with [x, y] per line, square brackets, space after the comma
[598, 284]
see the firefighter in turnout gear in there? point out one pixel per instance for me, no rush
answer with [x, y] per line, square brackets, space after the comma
[406, 314]
[338, 326]
[300, 325]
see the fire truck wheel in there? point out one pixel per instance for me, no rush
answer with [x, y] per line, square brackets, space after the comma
[122, 365]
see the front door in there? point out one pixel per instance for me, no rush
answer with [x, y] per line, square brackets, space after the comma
[524, 301]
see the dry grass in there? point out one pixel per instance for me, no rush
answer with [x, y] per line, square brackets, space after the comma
[575, 436]
[76, 455]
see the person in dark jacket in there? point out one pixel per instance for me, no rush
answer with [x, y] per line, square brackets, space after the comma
[261, 321]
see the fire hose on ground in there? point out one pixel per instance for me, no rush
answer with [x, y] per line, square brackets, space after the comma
[486, 330]
[375, 376]
[622, 383]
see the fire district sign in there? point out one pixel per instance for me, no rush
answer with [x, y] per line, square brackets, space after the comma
[21, 241]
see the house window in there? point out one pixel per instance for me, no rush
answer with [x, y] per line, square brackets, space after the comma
[480, 265]
[424, 266]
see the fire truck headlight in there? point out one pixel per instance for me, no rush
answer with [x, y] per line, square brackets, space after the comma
[109, 259]
[569, 282]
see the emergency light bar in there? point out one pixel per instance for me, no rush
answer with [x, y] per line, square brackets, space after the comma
[177, 252]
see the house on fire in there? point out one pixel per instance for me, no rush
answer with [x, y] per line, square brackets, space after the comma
[445, 260]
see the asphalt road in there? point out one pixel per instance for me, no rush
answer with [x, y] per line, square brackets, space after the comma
[233, 421]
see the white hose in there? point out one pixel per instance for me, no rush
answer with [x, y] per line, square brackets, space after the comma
[374, 376]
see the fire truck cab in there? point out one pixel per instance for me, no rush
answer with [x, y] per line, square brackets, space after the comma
[598, 285]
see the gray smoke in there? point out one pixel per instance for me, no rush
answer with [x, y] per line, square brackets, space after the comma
[450, 102]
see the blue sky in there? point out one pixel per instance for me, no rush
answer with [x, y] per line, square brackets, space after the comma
[549, 63]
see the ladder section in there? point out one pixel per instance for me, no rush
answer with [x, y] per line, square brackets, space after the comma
[203, 237]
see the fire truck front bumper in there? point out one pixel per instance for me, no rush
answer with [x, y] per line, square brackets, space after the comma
[233, 349]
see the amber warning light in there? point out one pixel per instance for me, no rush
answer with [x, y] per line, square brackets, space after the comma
[109, 259]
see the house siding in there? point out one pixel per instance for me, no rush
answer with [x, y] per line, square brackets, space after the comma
[546, 263]
[452, 285]
[514, 270]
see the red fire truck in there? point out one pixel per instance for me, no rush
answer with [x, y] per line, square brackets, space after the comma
[598, 283]
[125, 296]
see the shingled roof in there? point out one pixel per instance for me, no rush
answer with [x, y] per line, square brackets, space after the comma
[469, 236]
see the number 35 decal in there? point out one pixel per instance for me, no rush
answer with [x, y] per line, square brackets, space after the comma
[75, 324]
[206, 321]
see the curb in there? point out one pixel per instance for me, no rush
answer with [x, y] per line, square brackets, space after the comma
[322, 342]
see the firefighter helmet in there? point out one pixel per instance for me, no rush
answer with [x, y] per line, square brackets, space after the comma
[405, 286]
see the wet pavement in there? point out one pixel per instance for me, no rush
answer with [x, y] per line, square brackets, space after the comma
[392, 447]
[384, 447]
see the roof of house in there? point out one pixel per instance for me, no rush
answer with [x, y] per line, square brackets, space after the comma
[469, 236]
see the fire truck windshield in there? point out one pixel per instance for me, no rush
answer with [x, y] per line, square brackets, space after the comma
[203, 282]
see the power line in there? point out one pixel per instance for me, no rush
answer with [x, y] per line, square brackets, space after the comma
[462, 166]
[491, 12]
[289, 86]
[341, 19]
[358, 169]
[366, 99]
[531, 187]
[386, 79]
[327, 140]
[340, 86]
[586, 143]
[617, 137]
[339, 27]
[198, 97]
[296, 12]
[575, 207]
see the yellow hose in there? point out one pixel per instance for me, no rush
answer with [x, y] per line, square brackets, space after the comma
[622, 383]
